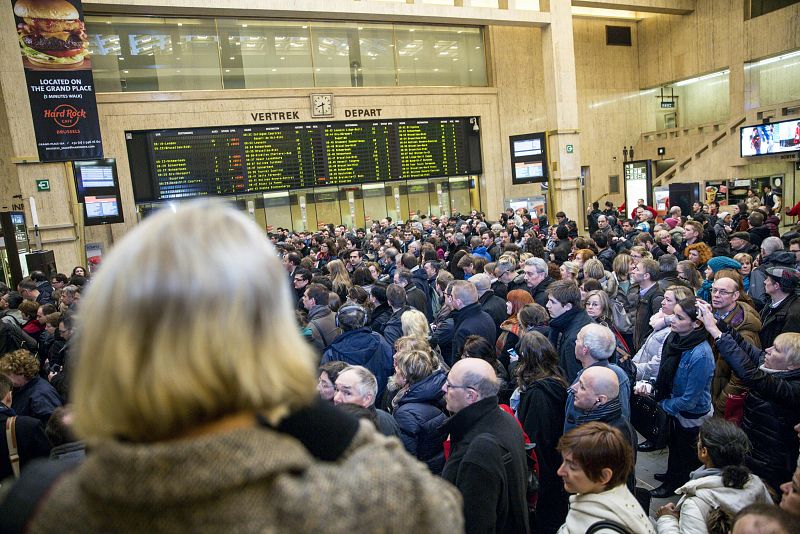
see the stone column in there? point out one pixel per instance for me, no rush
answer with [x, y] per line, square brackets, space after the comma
[561, 95]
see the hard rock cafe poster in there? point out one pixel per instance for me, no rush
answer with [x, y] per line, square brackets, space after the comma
[58, 70]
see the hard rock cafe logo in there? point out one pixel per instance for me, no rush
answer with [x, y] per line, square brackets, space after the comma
[65, 115]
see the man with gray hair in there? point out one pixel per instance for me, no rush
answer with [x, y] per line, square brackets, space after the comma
[490, 303]
[537, 279]
[772, 255]
[468, 317]
[504, 271]
[357, 385]
[594, 345]
[668, 272]
[487, 462]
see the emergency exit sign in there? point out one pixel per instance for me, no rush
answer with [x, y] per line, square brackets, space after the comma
[667, 104]
[43, 185]
[570, 149]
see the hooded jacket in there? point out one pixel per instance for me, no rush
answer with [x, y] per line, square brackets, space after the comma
[617, 505]
[363, 347]
[706, 492]
[419, 414]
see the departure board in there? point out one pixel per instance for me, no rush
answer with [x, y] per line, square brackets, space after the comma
[174, 164]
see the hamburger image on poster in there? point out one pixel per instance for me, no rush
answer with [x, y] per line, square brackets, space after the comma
[51, 34]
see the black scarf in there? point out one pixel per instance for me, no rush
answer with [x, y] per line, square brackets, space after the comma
[673, 349]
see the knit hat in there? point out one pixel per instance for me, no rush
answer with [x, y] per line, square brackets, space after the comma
[723, 262]
[721, 215]
[671, 222]
[741, 235]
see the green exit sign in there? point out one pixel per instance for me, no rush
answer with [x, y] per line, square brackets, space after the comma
[570, 149]
[43, 185]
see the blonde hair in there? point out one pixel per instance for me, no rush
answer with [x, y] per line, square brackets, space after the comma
[790, 344]
[415, 324]
[170, 337]
[571, 267]
[415, 365]
[20, 362]
[340, 279]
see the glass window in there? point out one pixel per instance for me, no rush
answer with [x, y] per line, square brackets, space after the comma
[154, 54]
[337, 62]
[437, 55]
[376, 46]
[774, 80]
[259, 54]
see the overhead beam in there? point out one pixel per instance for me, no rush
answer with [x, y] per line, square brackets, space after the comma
[366, 11]
[670, 7]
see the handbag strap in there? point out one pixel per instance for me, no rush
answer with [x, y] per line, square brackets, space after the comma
[11, 440]
[607, 525]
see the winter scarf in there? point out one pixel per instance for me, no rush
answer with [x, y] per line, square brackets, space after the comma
[673, 349]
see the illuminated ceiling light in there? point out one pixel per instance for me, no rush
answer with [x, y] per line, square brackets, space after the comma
[282, 58]
[125, 71]
[416, 59]
[274, 70]
[304, 27]
[361, 27]
[180, 24]
[244, 25]
[411, 29]
[435, 70]
[121, 58]
[227, 70]
[232, 58]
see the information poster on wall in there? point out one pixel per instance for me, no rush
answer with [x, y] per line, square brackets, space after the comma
[58, 71]
[716, 191]
[638, 183]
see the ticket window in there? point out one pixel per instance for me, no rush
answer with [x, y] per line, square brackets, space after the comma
[439, 192]
[418, 198]
[327, 205]
[352, 206]
[277, 211]
[460, 195]
[375, 202]
[304, 213]
[396, 201]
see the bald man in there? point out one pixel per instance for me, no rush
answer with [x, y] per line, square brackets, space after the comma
[487, 462]
[596, 398]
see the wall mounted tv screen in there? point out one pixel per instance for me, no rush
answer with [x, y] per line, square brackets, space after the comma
[770, 138]
[102, 209]
[528, 158]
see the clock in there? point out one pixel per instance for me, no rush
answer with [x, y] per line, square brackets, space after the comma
[322, 105]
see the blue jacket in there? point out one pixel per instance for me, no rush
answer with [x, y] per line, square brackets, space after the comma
[37, 398]
[420, 279]
[419, 414]
[572, 415]
[481, 252]
[393, 329]
[691, 388]
[471, 320]
[363, 347]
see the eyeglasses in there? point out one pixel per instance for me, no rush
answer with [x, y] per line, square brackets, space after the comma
[720, 291]
[299, 279]
[448, 385]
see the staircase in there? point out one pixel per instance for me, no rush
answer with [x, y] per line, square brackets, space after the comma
[715, 139]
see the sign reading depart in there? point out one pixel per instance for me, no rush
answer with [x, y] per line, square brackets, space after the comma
[171, 164]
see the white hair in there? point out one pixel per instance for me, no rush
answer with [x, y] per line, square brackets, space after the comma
[599, 340]
[772, 244]
[367, 383]
[538, 263]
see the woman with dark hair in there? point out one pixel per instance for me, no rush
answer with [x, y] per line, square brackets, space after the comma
[515, 235]
[719, 489]
[541, 394]
[478, 347]
[80, 271]
[683, 389]
[325, 253]
[326, 380]
[362, 277]
[534, 318]
[597, 462]
[510, 330]
[739, 221]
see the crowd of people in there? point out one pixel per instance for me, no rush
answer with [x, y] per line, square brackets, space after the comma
[475, 375]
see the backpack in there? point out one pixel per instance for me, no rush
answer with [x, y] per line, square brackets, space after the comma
[533, 462]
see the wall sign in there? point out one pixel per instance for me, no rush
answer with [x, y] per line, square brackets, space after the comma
[58, 72]
[43, 185]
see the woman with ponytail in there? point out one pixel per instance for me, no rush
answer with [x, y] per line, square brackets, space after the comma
[719, 489]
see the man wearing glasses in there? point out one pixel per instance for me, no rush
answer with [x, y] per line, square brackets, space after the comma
[487, 461]
[300, 280]
[739, 316]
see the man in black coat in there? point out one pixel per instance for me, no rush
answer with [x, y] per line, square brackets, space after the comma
[490, 303]
[650, 296]
[487, 461]
[568, 317]
[537, 279]
[468, 317]
[414, 295]
[393, 329]
[781, 313]
[31, 439]
[668, 272]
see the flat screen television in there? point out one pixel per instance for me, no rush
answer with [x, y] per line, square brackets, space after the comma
[95, 176]
[770, 138]
[528, 158]
[102, 209]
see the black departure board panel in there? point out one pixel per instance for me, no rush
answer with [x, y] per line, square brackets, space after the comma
[174, 164]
